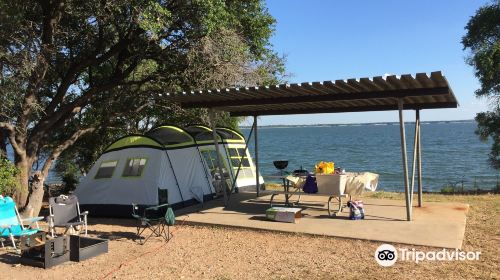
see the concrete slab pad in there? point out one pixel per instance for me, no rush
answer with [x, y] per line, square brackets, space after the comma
[436, 224]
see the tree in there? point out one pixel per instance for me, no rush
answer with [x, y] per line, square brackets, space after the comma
[483, 42]
[8, 172]
[71, 69]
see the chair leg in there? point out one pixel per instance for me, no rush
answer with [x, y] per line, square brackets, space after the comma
[85, 224]
[13, 243]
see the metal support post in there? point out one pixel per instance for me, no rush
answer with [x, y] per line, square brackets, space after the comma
[211, 115]
[257, 183]
[405, 162]
[419, 160]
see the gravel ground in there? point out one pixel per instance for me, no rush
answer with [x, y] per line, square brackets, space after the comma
[223, 253]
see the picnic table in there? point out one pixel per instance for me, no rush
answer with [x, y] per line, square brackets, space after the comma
[297, 180]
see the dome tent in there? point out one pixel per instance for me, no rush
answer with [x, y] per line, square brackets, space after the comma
[140, 169]
[167, 164]
[233, 151]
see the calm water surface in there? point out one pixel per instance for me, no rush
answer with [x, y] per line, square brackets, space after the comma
[451, 152]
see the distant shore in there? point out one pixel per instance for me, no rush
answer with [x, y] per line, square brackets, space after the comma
[351, 124]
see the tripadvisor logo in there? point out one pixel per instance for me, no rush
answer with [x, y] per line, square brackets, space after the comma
[387, 255]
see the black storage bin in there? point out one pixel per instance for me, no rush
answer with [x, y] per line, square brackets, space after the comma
[83, 248]
[51, 253]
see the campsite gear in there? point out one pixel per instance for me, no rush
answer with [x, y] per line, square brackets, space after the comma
[45, 253]
[280, 164]
[356, 210]
[156, 219]
[136, 168]
[284, 214]
[300, 172]
[310, 185]
[331, 184]
[11, 225]
[83, 248]
[65, 212]
[357, 183]
[324, 168]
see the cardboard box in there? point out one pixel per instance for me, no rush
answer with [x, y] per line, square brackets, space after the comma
[284, 214]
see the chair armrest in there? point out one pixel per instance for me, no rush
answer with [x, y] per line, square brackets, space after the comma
[32, 219]
[158, 207]
[84, 213]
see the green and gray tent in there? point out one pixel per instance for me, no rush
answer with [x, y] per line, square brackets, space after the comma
[166, 165]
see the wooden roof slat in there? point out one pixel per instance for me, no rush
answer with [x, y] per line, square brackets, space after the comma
[424, 80]
[395, 82]
[365, 94]
[357, 85]
[344, 85]
[370, 84]
[438, 79]
[410, 81]
[331, 85]
[317, 87]
[381, 82]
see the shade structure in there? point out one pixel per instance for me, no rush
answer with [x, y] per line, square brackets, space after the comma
[420, 91]
[404, 92]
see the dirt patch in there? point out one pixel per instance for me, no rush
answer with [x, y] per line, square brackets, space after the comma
[226, 253]
[461, 208]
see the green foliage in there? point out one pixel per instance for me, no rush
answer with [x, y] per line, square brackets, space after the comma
[69, 172]
[483, 42]
[489, 127]
[8, 177]
[448, 189]
[107, 65]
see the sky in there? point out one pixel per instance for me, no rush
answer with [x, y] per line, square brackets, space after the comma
[330, 40]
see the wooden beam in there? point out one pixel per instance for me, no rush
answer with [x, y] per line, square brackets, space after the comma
[319, 98]
[320, 110]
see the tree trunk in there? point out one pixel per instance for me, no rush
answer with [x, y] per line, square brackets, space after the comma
[21, 195]
[36, 197]
[3, 143]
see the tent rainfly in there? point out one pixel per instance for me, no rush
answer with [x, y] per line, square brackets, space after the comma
[166, 165]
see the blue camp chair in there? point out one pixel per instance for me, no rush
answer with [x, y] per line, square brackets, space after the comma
[11, 224]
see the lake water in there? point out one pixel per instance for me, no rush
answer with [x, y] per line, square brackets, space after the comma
[451, 152]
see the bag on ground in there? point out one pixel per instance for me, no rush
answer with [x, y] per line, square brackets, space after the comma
[356, 210]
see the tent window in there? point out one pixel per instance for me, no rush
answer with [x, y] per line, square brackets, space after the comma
[134, 167]
[237, 155]
[106, 169]
[210, 157]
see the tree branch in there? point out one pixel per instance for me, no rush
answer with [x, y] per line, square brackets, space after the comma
[11, 135]
[57, 151]
[80, 65]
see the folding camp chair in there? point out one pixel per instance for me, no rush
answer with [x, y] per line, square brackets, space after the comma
[65, 212]
[12, 225]
[156, 219]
